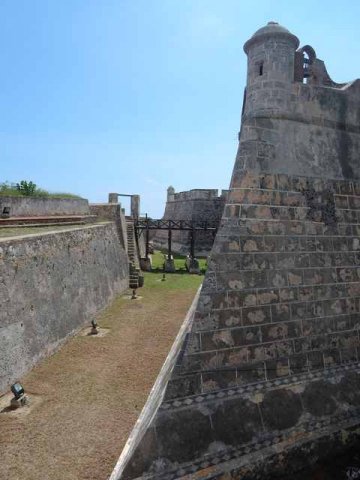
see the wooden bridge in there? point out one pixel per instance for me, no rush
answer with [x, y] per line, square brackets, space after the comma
[146, 224]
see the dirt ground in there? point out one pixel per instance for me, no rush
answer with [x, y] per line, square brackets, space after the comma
[90, 393]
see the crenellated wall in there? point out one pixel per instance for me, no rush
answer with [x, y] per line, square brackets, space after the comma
[51, 284]
[193, 205]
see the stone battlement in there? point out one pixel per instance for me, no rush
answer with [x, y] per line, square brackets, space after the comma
[197, 194]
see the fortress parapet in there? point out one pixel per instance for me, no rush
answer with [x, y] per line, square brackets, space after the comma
[197, 194]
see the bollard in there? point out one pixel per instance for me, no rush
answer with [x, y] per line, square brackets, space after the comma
[94, 329]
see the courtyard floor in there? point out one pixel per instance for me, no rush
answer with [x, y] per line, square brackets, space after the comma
[88, 395]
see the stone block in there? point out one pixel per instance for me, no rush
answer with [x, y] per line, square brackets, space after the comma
[225, 318]
[280, 313]
[264, 297]
[256, 315]
[183, 386]
[169, 265]
[214, 381]
[177, 438]
[281, 409]
[318, 399]
[234, 419]
[145, 264]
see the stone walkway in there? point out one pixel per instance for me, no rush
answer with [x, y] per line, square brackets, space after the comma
[90, 393]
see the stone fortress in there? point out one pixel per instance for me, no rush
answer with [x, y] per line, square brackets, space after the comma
[266, 377]
[194, 205]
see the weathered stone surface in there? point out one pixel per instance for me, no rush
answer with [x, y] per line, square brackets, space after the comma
[112, 211]
[38, 206]
[276, 365]
[50, 284]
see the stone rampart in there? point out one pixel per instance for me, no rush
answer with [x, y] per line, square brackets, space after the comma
[274, 349]
[38, 206]
[196, 194]
[268, 382]
[51, 284]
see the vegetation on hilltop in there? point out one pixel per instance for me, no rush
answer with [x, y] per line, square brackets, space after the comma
[29, 189]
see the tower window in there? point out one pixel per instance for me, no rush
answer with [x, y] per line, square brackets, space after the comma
[306, 69]
[261, 68]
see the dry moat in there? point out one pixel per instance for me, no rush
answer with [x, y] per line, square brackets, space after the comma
[89, 394]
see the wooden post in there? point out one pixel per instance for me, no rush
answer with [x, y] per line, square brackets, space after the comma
[147, 238]
[169, 243]
[192, 242]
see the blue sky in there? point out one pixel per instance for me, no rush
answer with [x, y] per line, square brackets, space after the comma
[134, 95]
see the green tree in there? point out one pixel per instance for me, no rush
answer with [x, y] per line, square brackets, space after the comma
[26, 188]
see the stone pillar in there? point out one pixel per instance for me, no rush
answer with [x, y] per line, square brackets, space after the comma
[192, 264]
[113, 197]
[169, 264]
[146, 264]
[135, 206]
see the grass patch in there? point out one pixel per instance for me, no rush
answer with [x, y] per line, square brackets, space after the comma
[8, 189]
[173, 281]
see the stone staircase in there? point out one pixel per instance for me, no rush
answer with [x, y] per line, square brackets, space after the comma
[134, 266]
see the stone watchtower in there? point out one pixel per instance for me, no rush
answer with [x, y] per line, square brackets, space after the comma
[170, 193]
[295, 118]
[267, 379]
[270, 73]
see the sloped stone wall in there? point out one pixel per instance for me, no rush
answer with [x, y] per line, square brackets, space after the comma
[50, 285]
[268, 381]
[283, 283]
[274, 346]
